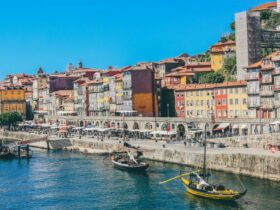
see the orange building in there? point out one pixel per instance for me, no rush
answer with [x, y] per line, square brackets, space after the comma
[13, 99]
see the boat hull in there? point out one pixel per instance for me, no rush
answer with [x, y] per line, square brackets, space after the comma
[226, 196]
[126, 167]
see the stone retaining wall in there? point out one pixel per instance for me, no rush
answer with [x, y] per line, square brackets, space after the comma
[253, 141]
[260, 166]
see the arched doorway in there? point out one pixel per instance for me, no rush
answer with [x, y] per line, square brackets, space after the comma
[113, 124]
[148, 126]
[135, 126]
[181, 131]
[97, 124]
[125, 125]
[81, 124]
[105, 125]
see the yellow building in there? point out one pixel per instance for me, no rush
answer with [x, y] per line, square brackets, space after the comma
[199, 101]
[221, 100]
[237, 99]
[219, 52]
[13, 99]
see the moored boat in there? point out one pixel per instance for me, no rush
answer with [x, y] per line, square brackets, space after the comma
[196, 185]
[126, 161]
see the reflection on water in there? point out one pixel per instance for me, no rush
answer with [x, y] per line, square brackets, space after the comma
[63, 180]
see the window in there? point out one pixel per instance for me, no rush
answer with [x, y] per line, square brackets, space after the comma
[224, 113]
[201, 102]
[244, 101]
[197, 93]
[231, 113]
[224, 102]
[231, 101]
[219, 113]
[218, 92]
[197, 103]
[236, 113]
[230, 90]
[224, 92]
[218, 102]
[236, 101]
[244, 90]
[236, 90]
[197, 112]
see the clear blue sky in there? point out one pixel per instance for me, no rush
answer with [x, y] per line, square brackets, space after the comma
[52, 33]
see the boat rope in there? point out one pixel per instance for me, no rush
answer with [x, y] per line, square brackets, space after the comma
[177, 177]
[241, 183]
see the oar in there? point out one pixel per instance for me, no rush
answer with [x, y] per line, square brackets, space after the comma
[177, 177]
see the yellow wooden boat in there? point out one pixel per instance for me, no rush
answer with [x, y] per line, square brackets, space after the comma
[217, 192]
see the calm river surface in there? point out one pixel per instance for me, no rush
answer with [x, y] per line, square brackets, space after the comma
[64, 180]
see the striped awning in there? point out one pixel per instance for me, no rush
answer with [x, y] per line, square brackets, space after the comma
[222, 126]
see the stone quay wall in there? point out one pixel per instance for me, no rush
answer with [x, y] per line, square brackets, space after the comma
[18, 136]
[255, 165]
[252, 141]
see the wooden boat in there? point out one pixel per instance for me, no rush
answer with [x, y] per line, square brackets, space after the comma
[125, 161]
[197, 184]
[199, 187]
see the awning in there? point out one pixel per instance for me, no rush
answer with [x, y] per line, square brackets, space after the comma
[244, 126]
[235, 126]
[222, 126]
[275, 123]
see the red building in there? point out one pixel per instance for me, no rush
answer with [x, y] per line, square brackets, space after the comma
[221, 102]
[180, 104]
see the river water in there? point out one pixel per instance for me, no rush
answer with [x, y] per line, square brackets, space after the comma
[64, 180]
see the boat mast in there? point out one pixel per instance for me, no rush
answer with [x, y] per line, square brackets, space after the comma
[204, 155]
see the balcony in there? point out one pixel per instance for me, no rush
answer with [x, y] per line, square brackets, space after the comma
[276, 71]
[267, 106]
[276, 87]
[266, 93]
[127, 97]
[253, 91]
[253, 104]
[277, 103]
[252, 77]
[266, 80]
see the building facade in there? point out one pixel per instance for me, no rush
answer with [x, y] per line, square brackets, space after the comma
[13, 99]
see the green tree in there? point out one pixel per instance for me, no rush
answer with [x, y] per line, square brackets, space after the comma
[212, 77]
[232, 26]
[10, 118]
[272, 21]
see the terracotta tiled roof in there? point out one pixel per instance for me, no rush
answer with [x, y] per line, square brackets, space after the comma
[210, 86]
[265, 6]
[229, 42]
[63, 93]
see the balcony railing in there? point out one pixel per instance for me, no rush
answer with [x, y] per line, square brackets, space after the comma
[253, 104]
[252, 77]
[267, 80]
[253, 91]
[266, 92]
[267, 106]
[127, 97]
[277, 103]
[276, 71]
[276, 87]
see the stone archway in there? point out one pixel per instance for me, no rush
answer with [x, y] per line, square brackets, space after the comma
[113, 124]
[106, 124]
[164, 126]
[148, 126]
[135, 126]
[181, 131]
[97, 124]
[81, 124]
[124, 125]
